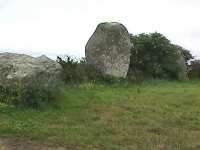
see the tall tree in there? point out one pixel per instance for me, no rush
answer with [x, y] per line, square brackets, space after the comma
[153, 56]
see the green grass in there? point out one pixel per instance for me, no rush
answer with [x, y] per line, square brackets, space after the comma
[155, 115]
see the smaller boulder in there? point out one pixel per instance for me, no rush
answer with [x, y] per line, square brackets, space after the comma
[26, 79]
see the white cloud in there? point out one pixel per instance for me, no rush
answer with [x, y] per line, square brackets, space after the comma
[54, 27]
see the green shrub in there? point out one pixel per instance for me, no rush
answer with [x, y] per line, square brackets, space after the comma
[36, 94]
[75, 71]
[155, 57]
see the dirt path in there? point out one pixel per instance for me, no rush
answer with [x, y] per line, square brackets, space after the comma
[6, 144]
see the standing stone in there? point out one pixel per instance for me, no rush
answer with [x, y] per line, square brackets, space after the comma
[182, 74]
[109, 49]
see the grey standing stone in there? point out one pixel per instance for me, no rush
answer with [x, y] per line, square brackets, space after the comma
[109, 49]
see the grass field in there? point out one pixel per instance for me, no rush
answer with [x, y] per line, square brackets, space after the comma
[157, 115]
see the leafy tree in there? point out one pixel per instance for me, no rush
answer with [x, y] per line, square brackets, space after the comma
[153, 56]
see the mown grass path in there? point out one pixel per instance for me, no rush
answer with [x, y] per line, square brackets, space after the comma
[149, 116]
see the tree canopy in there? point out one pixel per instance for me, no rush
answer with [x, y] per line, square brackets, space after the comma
[154, 56]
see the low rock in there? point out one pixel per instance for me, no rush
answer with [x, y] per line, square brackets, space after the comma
[23, 71]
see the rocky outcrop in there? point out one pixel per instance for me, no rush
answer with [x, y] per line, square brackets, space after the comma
[109, 49]
[21, 71]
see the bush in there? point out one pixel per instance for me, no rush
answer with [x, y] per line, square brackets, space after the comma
[33, 95]
[78, 71]
[154, 57]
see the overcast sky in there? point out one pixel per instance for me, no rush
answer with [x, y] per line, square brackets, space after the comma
[58, 27]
